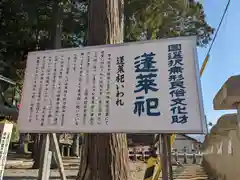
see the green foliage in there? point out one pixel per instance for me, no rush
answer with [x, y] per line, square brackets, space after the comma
[151, 19]
[15, 133]
[27, 25]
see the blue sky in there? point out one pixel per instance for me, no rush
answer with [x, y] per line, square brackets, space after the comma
[225, 56]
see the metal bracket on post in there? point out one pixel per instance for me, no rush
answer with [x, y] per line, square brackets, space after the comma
[50, 149]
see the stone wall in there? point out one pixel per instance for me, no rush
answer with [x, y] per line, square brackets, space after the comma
[222, 146]
[222, 149]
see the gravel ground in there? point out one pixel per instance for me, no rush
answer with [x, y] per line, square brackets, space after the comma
[30, 174]
[19, 169]
[137, 172]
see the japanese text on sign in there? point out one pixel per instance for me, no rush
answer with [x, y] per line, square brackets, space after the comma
[135, 87]
[6, 131]
[177, 89]
[120, 79]
[146, 72]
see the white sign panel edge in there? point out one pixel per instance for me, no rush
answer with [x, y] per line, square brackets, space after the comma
[201, 129]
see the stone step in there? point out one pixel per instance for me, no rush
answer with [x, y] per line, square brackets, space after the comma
[191, 172]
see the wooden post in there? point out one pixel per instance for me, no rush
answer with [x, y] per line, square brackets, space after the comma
[169, 148]
[164, 157]
[56, 150]
[48, 165]
[50, 144]
[43, 157]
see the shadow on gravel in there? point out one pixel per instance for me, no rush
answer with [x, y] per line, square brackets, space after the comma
[29, 168]
[34, 178]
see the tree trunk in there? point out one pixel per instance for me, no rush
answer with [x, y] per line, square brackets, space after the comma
[104, 156]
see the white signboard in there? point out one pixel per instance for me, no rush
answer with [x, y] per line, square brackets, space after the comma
[6, 132]
[150, 86]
